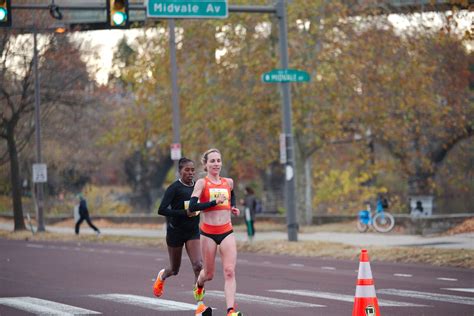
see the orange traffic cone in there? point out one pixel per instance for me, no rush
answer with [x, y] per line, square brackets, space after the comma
[365, 301]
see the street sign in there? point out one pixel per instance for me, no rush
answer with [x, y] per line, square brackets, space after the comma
[285, 75]
[175, 151]
[40, 173]
[187, 9]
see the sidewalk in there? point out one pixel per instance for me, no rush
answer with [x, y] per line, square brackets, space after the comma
[460, 241]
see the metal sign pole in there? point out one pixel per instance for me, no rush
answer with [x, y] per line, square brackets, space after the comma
[174, 82]
[174, 91]
[39, 186]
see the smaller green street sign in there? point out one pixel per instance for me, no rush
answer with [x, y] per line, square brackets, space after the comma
[286, 75]
[187, 9]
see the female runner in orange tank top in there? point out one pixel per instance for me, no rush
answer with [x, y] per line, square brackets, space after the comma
[216, 203]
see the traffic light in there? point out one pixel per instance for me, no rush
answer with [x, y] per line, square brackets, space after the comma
[117, 14]
[5, 13]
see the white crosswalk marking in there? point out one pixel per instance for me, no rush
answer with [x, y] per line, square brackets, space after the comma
[430, 296]
[34, 246]
[147, 302]
[468, 290]
[403, 275]
[447, 279]
[343, 297]
[264, 300]
[38, 306]
[43, 307]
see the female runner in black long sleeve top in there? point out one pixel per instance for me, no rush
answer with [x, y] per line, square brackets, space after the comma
[182, 226]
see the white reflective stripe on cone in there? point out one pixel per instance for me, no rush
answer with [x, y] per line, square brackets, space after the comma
[364, 270]
[365, 291]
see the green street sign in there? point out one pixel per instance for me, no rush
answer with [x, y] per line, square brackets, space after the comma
[286, 75]
[187, 9]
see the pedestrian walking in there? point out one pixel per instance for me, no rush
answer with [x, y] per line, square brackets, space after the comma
[84, 215]
[182, 227]
[217, 203]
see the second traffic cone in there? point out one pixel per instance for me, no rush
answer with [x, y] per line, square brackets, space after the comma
[365, 301]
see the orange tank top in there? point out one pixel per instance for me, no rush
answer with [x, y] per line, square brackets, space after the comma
[211, 191]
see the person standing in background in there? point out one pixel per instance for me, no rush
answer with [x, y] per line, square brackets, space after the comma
[250, 209]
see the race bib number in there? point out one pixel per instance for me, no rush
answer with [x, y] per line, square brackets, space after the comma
[214, 193]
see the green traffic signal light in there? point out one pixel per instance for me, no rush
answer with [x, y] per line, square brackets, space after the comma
[117, 14]
[3, 14]
[119, 18]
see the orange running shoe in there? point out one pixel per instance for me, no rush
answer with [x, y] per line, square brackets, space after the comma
[159, 284]
[233, 312]
[203, 310]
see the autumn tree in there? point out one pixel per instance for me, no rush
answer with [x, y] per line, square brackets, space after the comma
[317, 32]
[246, 114]
[414, 97]
[361, 68]
[142, 112]
[64, 82]
[366, 80]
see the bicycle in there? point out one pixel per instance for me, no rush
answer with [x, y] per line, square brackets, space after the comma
[382, 221]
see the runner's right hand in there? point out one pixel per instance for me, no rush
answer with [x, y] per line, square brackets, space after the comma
[192, 214]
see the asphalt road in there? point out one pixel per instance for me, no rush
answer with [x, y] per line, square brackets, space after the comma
[58, 278]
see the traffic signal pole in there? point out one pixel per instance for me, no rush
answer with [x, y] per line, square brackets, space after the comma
[290, 183]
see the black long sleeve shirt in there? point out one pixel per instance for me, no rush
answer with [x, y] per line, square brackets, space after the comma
[173, 207]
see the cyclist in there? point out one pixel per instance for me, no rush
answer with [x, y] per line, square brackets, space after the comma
[382, 204]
